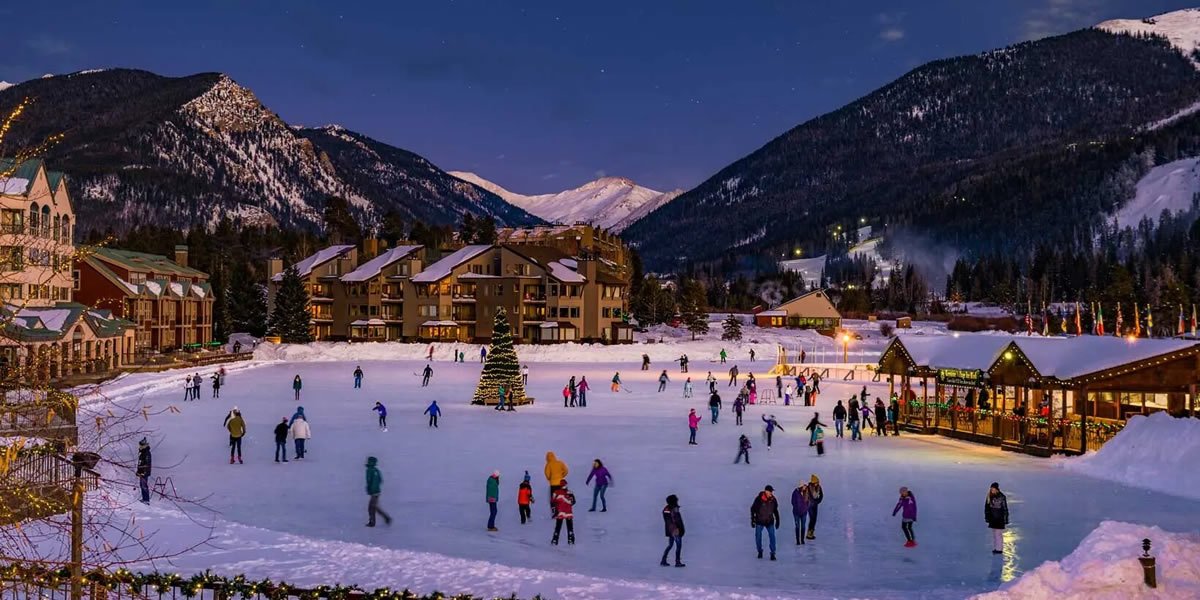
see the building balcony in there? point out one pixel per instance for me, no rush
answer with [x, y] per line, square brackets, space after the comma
[320, 299]
[534, 298]
[392, 299]
[463, 298]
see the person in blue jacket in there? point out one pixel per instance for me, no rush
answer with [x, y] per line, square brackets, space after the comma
[382, 410]
[298, 415]
[434, 411]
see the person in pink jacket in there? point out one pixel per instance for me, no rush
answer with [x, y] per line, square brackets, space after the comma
[693, 423]
[583, 388]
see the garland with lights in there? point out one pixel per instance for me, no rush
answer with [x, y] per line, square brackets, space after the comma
[232, 587]
[500, 368]
[1093, 426]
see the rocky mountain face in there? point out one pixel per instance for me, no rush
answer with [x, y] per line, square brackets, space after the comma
[140, 148]
[992, 152]
[610, 202]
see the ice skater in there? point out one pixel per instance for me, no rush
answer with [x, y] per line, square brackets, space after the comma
[815, 495]
[525, 375]
[673, 524]
[434, 411]
[196, 382]
[764, 515]
[237, 430]
[769, 427]
[525, 500]
[712, 382]
[839, 417]
[723, 355]
[743, 449]
[301, 433]
[739, 407]
[574, 389]
[693, 423]
[493, 499]
[583, 389]
[662, 381]
[907, 507]
[358, 375]
[563, 502]
[482, 354]
[881, 419]
[187, 388]
[216, 385]
[603, 480]
[297, 385]
[374, 487]
[812, 428]
[556, 472]
[144, 466]
[281, 433]
[425, 375]
[733, 375]
[800, 511]
[616, 382]
[382, 410]
[645, 362]
[687, 388]
[995, 512]
[714, 406]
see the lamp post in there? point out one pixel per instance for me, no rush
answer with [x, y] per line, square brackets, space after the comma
[845, 347]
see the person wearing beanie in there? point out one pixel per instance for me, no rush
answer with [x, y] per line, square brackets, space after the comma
[815, 495]
[281, 433]
[673, 524]
[995, 512]
[493, 498]
[562, 502]
[555, 471]
[764, 514]
[382, 411]
[907, 507]
[374, 487]
[693, 423]
[525, 499]
[144, 466]
[237, 430]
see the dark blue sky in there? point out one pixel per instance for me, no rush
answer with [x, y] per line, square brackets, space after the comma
[542, 96]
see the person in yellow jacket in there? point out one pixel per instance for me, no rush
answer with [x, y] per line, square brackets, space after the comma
[237, 430]
[556, 470]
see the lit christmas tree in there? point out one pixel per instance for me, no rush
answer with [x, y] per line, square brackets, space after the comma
[500, 368]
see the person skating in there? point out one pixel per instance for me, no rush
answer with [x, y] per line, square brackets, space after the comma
[752, 355]
[778, 386]
[662, 381]
[769, 428]
[555, 471]
[839, 417]
[723, 356]
[525, 500]
[800, 511]
[712, 382]
[434, 411]
[743, 449]
[995, 512]
[895, 415]
[382, 411]
[358, 375]
[907, 507]
[187, 388]
[733, 374]
[525, 375]
[815, 495]
[683, 363]
[714, 406]
[583, 388]
[493, 498]
[816, 384]
[603, 480]
[645, 362]
[144, 466]
[673, 525]
[229, 415]
[764, 515]
[429, 354]
[616, 382]
[562, 501]
[693, 423]
[216, 385]
[281, 433]
[739, 407]
[866, 414]
[880, 418]
[301, 433]
[426, 374]
[237, 430]
[787, 395]
[297, 385]
[374, 487]
[812, 428]
[482, 354]
[854, 417]
[196, 381]
[574, 390]
[687, 388]
[296, 415]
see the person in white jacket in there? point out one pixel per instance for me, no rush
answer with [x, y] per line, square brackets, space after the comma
[300, 433]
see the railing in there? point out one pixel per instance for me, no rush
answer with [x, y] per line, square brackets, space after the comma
[1035, 435]
[45, 470]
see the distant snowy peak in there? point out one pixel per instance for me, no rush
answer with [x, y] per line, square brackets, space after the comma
[1181, 27]
[609, 202]
[4, 85]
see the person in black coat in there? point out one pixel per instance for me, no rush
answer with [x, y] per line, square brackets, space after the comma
[673, 525]
[995, 512]
[281, 433]
[144, 466]
[880, 417]
[764, 514]
[839, 417]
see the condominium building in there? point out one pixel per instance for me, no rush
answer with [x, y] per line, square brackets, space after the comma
[36, 229]
[320, 274]
[368, 302]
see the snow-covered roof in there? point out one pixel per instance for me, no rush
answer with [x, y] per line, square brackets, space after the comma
[564, 273]
[365, 322]
[964, 352]
[773, 313]
[440, 269]
[1067, 358]
[373, 267]
[306, 266]
[177, 288]
[439, 324]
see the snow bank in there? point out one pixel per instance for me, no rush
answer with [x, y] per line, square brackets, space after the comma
[1155, 453]
[1105, 566]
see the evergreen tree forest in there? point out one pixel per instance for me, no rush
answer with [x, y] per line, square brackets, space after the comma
[289, 319]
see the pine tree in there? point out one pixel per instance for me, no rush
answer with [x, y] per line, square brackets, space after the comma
[219, 284]
[731, 329]
[290, 318]
[500, 368]
[247, 302]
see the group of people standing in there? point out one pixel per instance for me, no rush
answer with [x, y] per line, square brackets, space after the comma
[575, 394]
[192, 383]
[859, 413]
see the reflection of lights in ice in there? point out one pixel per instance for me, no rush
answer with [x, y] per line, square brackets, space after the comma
[1009, 571]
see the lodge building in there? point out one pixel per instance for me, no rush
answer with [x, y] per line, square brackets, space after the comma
[1035, 394]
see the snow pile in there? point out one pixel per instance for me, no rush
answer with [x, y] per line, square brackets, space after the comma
[1156, 453]
[1168, 187]
[1105, 566]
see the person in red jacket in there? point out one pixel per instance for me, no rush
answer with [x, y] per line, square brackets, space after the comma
[525, 499]
[563, 502]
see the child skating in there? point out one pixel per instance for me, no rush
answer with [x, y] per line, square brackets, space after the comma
[907, 507]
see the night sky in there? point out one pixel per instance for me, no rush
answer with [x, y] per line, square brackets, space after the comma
[543, 96]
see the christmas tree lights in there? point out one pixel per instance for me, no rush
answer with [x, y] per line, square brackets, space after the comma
[500, 368]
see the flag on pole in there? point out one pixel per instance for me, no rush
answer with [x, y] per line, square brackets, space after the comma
[1028, 317]
[1099, 319]
[1182, 322]
[1063, 315]
[1149, 322]
[1117, 327]
[1137, 321]
[1078, 320]
[1193, 320]
[1045, 320]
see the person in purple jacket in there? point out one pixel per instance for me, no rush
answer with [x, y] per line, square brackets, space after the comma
[603, 479]
[907, 507]
[800, 511]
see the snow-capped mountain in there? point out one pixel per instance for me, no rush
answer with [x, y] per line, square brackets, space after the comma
[141, 148]
[609, 202]
[1181, 28]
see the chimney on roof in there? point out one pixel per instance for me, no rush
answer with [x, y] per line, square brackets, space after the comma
[181, 255]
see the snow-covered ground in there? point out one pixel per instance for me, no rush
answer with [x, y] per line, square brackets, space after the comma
[1171, 187]
[303, 521]
[1157, 452]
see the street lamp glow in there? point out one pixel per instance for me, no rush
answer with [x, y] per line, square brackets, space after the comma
[845, 339]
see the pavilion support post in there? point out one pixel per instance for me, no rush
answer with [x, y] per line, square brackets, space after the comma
[1083, 419]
